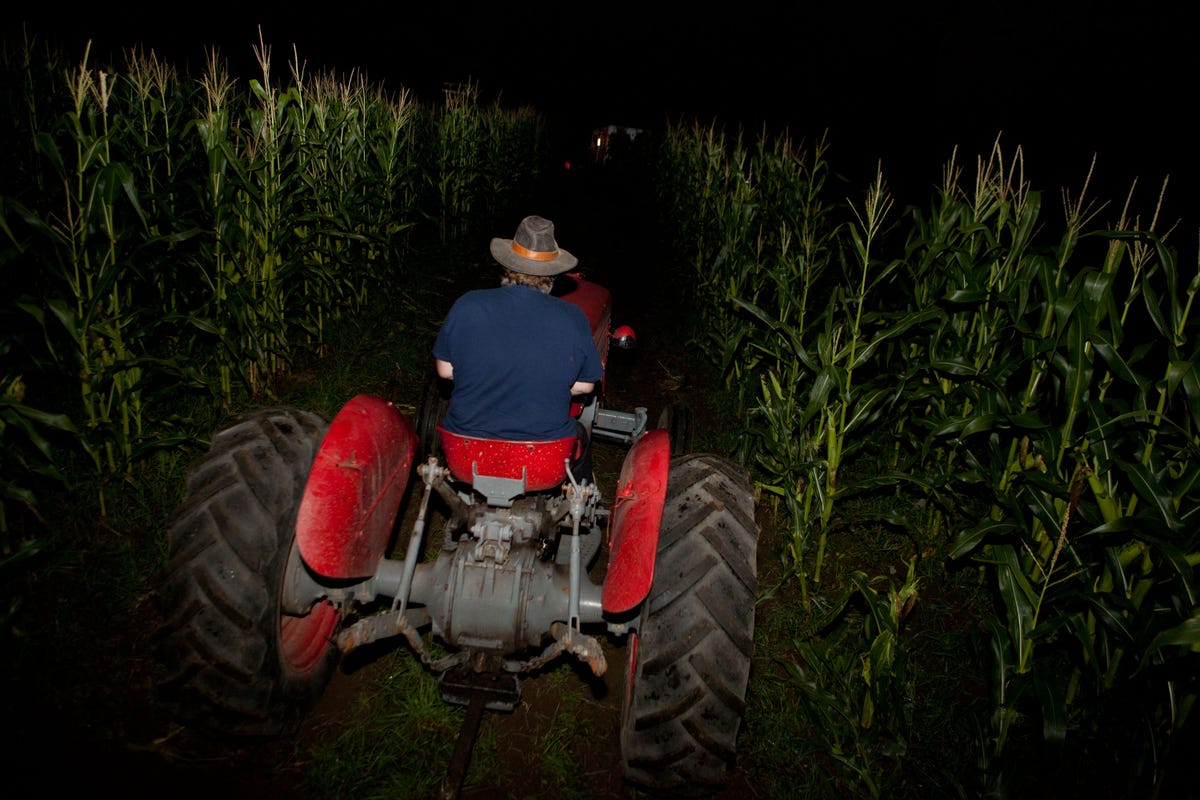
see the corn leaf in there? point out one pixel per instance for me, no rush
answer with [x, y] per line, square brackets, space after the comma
[1148, 488]
[1186, 634]
[971, 538]
[898, 328]
[1052, 695]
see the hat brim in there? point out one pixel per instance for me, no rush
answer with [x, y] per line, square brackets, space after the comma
[502, 251]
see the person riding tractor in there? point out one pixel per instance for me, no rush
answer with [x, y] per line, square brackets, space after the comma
[518, 356]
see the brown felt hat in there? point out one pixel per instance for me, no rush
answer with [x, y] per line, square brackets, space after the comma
[532, 250]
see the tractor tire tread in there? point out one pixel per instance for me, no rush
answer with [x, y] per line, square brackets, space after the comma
[696, 633]
[219, 592]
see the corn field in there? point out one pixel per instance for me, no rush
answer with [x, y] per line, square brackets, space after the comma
[982, 373]
[1004, 381]
[171, 235]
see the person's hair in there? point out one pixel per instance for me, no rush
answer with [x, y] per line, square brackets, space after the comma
[543, 283]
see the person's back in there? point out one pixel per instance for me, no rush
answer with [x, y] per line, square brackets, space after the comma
[515, 353]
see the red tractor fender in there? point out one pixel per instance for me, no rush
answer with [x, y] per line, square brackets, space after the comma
[596, 303]
[354, 489]
[636, 520]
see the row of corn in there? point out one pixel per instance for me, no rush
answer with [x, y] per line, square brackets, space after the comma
[169, 233]
[991, 377]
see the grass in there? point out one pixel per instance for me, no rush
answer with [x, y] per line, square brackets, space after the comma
[391, 742]
[555, 735]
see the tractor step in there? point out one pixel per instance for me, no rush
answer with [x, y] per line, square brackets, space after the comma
[500, 691]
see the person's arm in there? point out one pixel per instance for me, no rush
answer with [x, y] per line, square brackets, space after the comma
[446, 370]
[593, 367]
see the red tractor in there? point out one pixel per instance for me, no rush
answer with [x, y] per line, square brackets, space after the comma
[281, 561]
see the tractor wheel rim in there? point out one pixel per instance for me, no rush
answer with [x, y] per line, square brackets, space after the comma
[303, 641]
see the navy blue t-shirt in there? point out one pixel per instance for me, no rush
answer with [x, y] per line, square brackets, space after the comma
[515, 352]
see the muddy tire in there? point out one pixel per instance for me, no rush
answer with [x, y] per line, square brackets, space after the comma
[234, 663]
[677, 422]
[689, 662]
[435, 399]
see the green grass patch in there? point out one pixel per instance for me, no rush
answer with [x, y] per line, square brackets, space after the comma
[395, 741]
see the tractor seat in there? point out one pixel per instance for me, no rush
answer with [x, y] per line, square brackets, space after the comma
[543, 465]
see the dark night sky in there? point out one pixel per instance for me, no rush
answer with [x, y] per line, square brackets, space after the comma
[903, 82]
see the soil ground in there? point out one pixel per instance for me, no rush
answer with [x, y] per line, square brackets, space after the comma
[88, 719]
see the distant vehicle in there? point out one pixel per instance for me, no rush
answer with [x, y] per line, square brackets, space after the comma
[611, 139]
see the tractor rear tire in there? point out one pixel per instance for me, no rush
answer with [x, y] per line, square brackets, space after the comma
[235, 663]
[676, 420]
[689, 662]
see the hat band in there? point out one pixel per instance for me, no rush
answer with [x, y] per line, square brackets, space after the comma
[533, 255]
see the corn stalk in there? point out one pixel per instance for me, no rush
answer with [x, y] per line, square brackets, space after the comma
[458, 157]
[90, 236]
[1090, 462]
[223, 273]
[855, 684]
